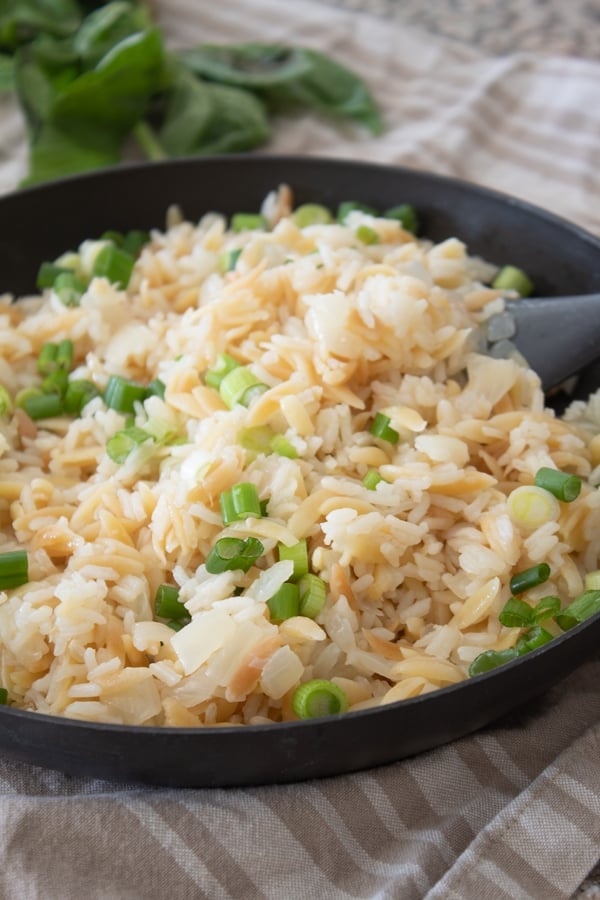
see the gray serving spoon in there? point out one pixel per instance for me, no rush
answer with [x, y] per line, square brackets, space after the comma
[558, 336]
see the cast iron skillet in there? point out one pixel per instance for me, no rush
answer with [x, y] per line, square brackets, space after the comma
[40, 223]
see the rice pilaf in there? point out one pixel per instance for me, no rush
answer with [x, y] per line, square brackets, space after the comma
[330, 329]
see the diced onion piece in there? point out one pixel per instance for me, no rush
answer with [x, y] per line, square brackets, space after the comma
[207, 633]
[530, 507]
[282, 671]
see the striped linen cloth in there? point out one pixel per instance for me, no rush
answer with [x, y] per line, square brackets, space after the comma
[511, 812]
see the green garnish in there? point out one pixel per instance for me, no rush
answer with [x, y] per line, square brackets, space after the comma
[114, 264]
[581, 608]
[313, 593]
[38, 405]
[562, 485]
[285, 603]
[298, 554]
[372, 479]
[406, 215]
[311, 214]
[317, 698]
[14, 569]
[510, 278]
[240, 502]
[367, 235]
[223, 365]
[121, 394]
[240, 385]
[248, 222]
[230, 554]
[167, 603]
[78, 394]
[380, 428]
[69, 288]
[529, 578]
[120, 445]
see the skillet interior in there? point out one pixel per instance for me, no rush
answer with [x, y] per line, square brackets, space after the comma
[39, 223]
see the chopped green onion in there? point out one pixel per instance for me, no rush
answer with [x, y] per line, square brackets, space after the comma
[311, 214]
[372, 479]
[228, 259]
[38, 405]
[122, 394]
[530, 506]
[298, 554]
[313, 593]
[381, 429]
[64, 354]
[516, 614]
[248, 222]
[69, 288]
[529, 578]
[406, 215]
[48, 273]
[546, 609]
[14, 569]
[344, 209]
[285, 603]
[282, 447]
[263, 507]
[56, 382]
[3, 696]
[46, 361]
[563, 486]
[116, 237]
[592, 581]
[178, 624]
[510, 278]
[317, 698]
[532, 639]
[6, 404]
[120, 445]
[114, 264]
[240, 502]
[134, 240]
[167, 603]
[222, 367]
[491, 659]
[256, 439]
[231, 553]
[157, 388]
[583, 607]
[367, 235]
[78, 394]
[237, 386]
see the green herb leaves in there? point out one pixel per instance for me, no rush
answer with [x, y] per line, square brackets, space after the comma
[86, 84]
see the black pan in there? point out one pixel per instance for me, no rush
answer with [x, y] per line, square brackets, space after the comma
[42, 222]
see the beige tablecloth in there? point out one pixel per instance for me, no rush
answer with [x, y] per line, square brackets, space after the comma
[512, 812]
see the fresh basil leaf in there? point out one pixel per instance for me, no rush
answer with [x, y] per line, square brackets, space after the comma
[34, 90]
[7, 73]
[56, 153]
[205, 118]
[22, 20]
[250, 66]
[117, 92]
[332, 89]
[583, 607]
[106, 27]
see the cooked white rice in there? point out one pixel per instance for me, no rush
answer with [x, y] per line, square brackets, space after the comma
[417, 569]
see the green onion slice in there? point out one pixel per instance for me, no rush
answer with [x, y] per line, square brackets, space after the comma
[372, 479]
[318, 698]
[298, 554]
[348, 206]
[38, 405]
[224, 364]
[546, 609]
[120, 445]
[406, 215]
[582, 607]
[564, 486]
[78, 394]
[48, 273]
[284, 603]
[311, 214]
[56, 382]
[114, 264]
[491, 659]
[510, 278]
[230, 554]
[529, 578]
[240, 386]
[380, 428]
[14, 569]
[122, 395]
[313, 593]
[6, 403]
[157, 388]
[535, 637]
[228, 259]
[367, 235]
[3, 696]
[69, 288]
[240, 502]
[248, 222]
[167, 603]
[282, 447]
[516, 614]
